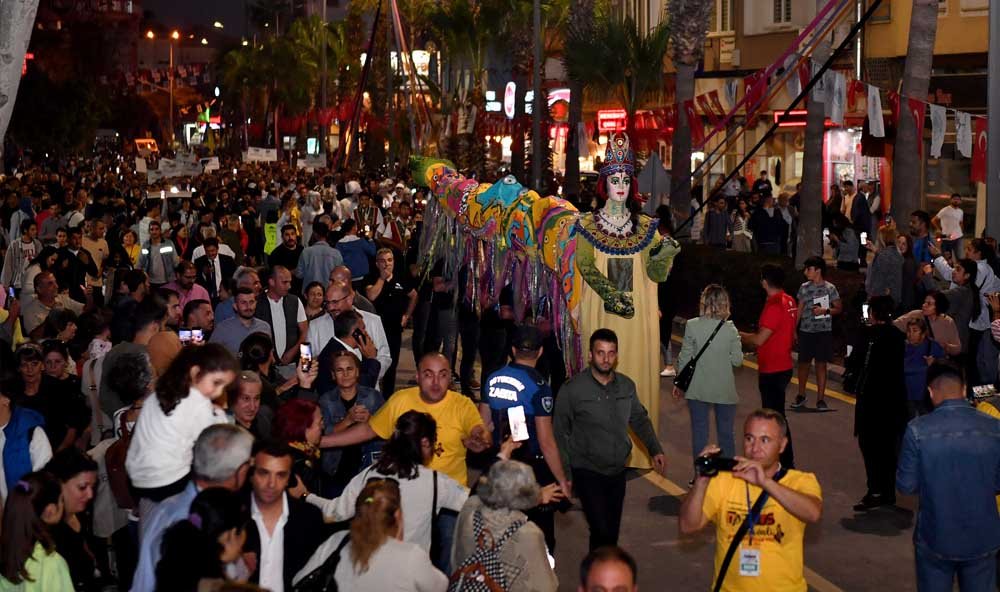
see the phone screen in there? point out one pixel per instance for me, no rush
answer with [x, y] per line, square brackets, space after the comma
[864, 238]
[518, 423]
[864, 311]
[306, 353]
[197, 336]
[185, 336]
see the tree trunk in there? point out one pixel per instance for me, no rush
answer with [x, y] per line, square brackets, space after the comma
[680, 150]
[810, 239]
[906, 161]
[571, 180]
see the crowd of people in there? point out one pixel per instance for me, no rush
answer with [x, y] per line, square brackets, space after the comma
[200, 386]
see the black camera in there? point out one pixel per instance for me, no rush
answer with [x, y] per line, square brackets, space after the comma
[710, 464]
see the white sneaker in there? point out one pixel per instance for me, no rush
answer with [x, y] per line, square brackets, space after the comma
[669, 371]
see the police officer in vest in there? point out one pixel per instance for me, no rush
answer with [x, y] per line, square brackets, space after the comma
[517, 390]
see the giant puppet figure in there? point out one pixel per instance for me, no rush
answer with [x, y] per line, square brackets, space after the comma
[578, 272]
[622, 257]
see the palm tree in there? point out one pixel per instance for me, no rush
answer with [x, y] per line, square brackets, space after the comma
[689, 21]
[312, 36]
[810, 239]
[916, 81]
[581, 25]
[466, 31]
[617, 61]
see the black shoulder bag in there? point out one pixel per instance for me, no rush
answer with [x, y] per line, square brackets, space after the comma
[322, 579]
[683, 380]
[742, 532]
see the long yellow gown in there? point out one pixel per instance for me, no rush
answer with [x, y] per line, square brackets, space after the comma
[638, 336]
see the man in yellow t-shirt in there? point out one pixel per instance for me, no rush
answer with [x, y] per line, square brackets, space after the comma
[459, 424]
[769, 558]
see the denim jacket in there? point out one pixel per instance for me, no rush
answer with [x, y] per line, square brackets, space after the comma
[951, 459]
[333, 413]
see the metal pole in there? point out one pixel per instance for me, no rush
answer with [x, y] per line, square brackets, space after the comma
[171, 72]
[993, 125]
[536, 108]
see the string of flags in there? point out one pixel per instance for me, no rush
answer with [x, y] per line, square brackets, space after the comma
[839, 96]
[145, 79]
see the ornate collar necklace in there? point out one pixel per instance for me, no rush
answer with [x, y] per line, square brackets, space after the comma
[618, 225]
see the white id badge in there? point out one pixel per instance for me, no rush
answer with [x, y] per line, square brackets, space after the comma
[750, 562]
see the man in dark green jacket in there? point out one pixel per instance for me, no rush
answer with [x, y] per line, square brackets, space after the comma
[594, 412]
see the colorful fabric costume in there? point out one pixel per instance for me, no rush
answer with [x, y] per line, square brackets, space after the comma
[562, 264]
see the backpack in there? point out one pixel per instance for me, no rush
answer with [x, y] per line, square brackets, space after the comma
[482, 571]
[114, 461]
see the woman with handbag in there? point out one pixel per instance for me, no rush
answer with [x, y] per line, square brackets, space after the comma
[710, 351]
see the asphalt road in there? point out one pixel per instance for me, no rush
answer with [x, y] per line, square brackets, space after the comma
[845, 551]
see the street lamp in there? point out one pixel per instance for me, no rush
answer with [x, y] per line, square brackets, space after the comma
[218, 25]
[174, 36]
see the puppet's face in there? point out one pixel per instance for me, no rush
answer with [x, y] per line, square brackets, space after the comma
[619, 186]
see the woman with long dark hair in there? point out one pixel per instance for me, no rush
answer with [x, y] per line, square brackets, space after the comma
[404, 458]
[45, 260]
[28, 557]
[160, 454]
[374, 555]
[201, 546]
[77, 474]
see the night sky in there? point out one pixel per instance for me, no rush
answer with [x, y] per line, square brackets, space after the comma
[183, 13]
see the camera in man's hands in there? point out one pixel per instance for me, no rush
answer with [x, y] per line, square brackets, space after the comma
[710, 464]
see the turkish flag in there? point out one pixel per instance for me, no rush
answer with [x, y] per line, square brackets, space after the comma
[753, 91]
[694, 123]
[893, 97]
[917, 109]
[805, 73]
[706, 108]
[978, 173]
[855, 88]
[713, 96]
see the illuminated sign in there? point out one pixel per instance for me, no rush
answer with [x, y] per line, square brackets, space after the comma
[509, 97]
[611, 120]
[797, 118]
[494, 106]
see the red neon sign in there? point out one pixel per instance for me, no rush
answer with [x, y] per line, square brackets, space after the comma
[611, 120]
[797, 118]
[24, 65]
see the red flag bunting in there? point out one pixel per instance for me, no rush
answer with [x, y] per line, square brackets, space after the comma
[978, 172]
[855, 88]
[893, 98]
[917, 109]
[706, 108]
[694, 123]
[753, 90]
[713, 96]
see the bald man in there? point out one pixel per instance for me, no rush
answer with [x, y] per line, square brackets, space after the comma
[342, 274]
[340, 297]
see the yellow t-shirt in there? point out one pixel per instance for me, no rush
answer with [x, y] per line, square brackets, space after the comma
[455, 415]
[777, 535]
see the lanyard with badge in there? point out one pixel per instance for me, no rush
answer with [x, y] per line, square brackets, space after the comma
[749, 558]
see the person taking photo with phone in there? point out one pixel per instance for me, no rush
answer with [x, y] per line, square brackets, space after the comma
[519, 403]
[762, 550]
